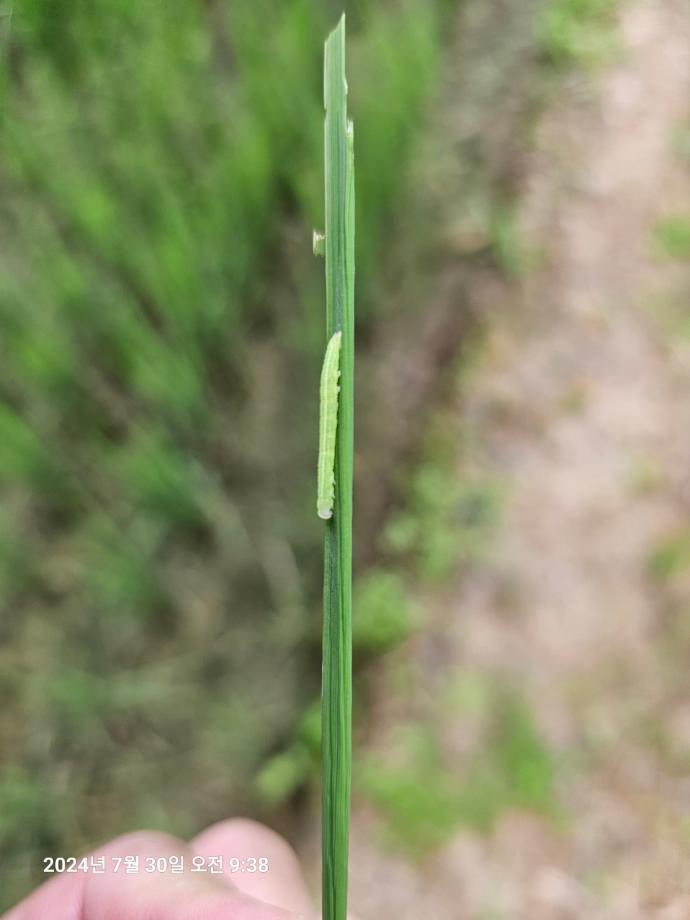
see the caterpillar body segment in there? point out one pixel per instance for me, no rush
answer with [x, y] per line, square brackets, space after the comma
[328, 426]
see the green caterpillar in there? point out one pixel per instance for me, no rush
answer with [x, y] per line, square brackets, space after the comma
[328, 425]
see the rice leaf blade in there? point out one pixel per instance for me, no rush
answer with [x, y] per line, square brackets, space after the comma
[337, 622]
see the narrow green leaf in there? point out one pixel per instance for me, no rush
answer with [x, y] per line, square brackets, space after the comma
[337, 622]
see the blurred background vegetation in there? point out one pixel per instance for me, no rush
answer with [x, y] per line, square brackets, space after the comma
[162, 327]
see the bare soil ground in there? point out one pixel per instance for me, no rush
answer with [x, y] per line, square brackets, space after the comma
[580, 402]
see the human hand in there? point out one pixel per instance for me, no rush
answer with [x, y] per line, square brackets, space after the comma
[277, 894]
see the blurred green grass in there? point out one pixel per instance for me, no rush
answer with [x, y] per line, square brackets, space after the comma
[162, 326]
[161, 317]
[578, 31]
[424, 797]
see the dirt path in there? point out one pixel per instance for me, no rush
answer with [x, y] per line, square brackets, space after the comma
[580, 404]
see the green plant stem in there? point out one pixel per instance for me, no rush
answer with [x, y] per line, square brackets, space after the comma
[337, 598]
